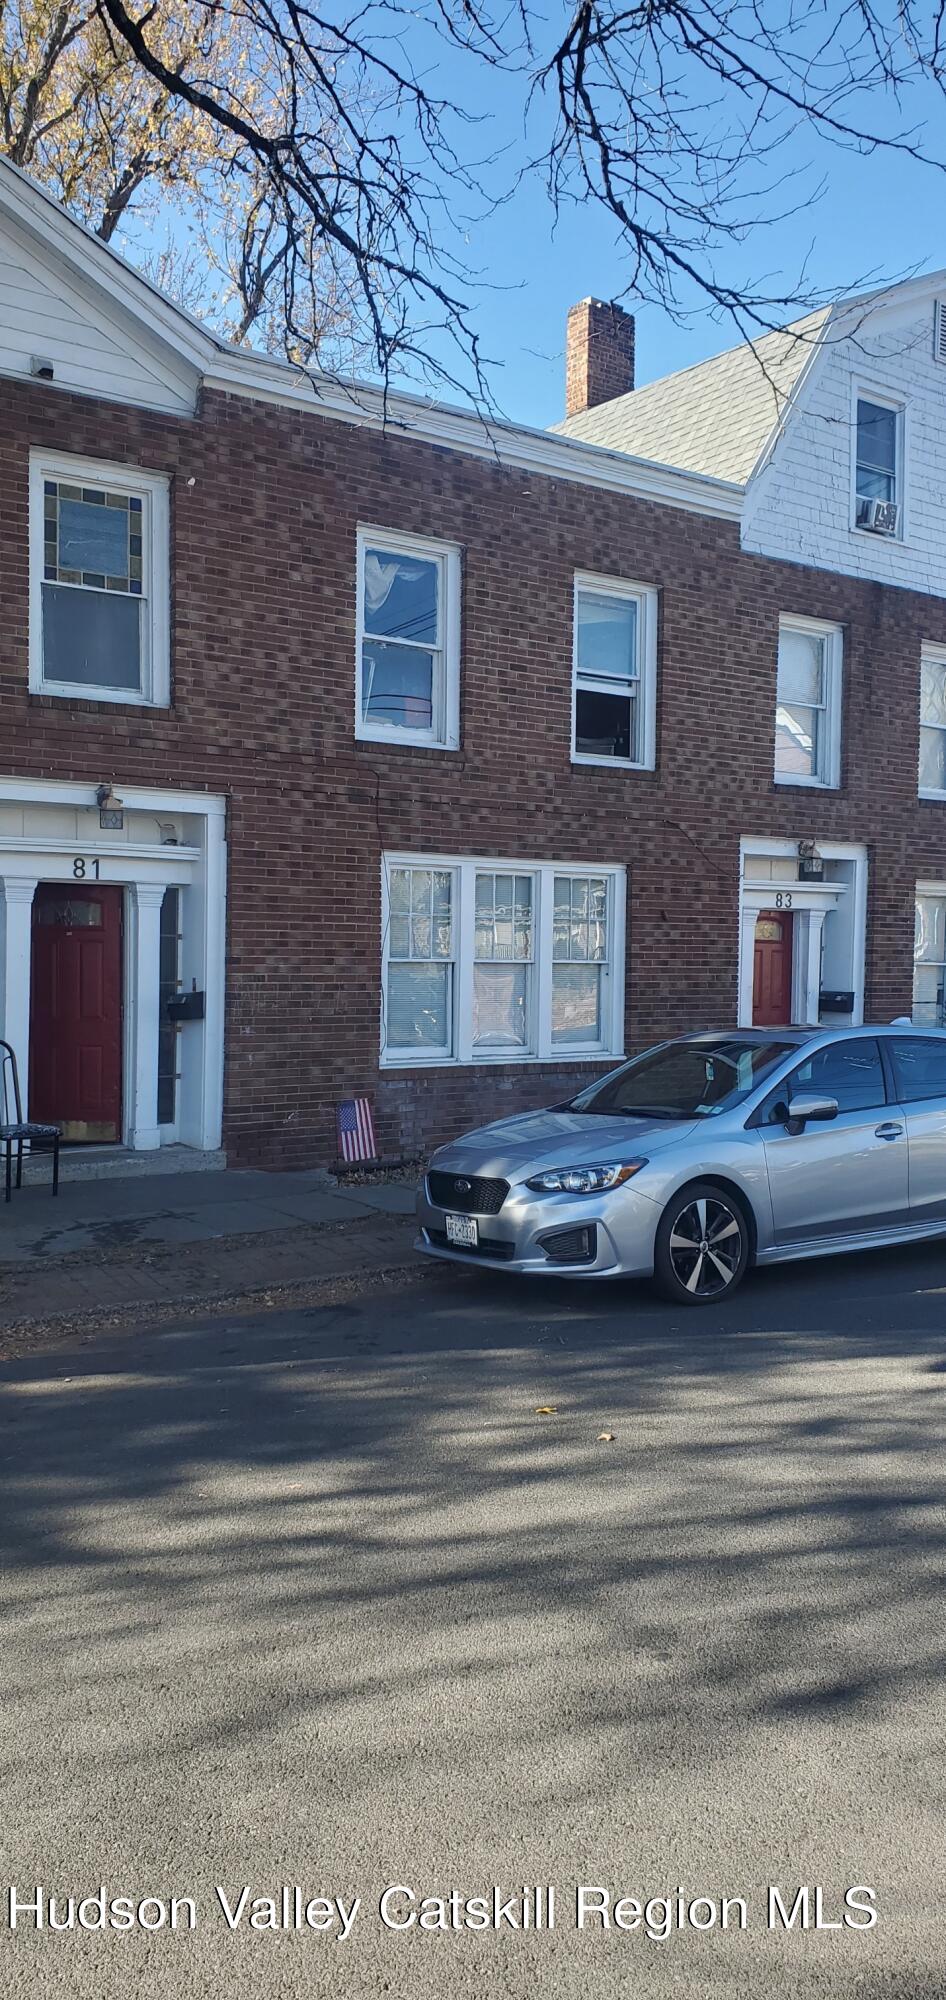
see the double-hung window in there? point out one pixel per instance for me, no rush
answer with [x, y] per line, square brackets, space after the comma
[500, 961]
[580, 952]
[933, 722]
[614, 673]
[420, 955]
[408, 666]
[99, 581]
[808, 704]
[503, 954]
[878, 465]
[929, 956]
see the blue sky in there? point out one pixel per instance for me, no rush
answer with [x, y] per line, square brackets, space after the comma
[879, 218]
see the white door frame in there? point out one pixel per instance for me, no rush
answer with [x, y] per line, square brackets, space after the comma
[144, 868]
[810, 902]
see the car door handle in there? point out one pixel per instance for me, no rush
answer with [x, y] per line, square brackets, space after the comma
[889, 1132]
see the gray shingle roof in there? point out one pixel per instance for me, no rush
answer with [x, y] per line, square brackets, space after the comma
[716, 417]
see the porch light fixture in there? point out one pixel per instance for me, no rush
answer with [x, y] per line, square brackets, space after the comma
[111, 816]
[810, 862]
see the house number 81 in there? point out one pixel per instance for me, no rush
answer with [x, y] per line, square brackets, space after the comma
[782, 901]
[81, 868]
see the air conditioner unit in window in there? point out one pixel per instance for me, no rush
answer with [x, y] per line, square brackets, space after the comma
[881, 517]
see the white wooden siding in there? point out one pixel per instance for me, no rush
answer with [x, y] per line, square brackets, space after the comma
[799, 506]
[42, 313]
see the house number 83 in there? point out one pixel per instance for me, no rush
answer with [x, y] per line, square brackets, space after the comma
[783, 901]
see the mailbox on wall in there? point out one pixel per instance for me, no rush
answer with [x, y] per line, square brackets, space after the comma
[186, 1006]
[835, 1002]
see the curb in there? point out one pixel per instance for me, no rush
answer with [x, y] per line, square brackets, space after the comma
[32, 1332]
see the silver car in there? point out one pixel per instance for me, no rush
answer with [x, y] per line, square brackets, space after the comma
[703, 1156]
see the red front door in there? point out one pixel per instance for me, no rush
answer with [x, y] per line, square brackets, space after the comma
[76, 1010]
[772, 972]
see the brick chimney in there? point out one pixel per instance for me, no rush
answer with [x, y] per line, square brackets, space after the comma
[599, 355]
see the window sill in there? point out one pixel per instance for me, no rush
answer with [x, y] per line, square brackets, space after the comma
[805, 784]
[506, 1059]
[932, 798]
[107, 697]
[404, 739]
[609, 763]
[871, 535]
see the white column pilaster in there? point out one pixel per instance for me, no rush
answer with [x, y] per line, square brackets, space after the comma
[746, 964]
[144, 966]
[16, 941]
[813, 980]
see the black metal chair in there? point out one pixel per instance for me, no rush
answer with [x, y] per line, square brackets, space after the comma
[17, 1130]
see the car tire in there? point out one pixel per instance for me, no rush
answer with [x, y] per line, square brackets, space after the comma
[716, 1224]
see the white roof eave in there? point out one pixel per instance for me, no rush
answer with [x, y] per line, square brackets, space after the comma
[513, 446]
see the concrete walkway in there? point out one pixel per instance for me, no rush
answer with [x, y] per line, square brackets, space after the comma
[182, 1208]
[107, 1250]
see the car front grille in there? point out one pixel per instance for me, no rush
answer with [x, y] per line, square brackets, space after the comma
[488, 1246]
[571, 1246]
[465, 1194]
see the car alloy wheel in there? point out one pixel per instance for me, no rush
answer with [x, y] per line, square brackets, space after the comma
[702, 1246]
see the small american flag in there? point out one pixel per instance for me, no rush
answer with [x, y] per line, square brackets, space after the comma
[355, 1130]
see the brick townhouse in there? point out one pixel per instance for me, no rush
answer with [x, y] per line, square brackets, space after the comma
[440, 763]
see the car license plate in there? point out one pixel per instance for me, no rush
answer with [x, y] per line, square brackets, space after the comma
[461, 1230]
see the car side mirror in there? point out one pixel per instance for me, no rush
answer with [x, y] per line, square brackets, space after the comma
[809, 1110]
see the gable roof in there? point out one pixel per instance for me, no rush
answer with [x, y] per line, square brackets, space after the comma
[716, 418]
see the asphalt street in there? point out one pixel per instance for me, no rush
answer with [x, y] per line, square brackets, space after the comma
[363, 1596]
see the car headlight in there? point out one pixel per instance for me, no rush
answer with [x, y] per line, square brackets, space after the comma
[585, 1180]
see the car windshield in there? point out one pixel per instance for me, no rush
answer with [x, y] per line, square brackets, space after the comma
[697, 1079]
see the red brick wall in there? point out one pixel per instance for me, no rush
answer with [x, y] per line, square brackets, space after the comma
[263, 677]
[599, 355]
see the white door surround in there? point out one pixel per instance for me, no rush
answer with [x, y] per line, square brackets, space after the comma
[51, 832]
[763, 886]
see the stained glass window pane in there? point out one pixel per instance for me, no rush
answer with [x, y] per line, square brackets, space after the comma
[93, 538]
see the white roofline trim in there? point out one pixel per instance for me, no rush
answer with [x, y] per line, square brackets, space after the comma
[23, 202]
[240, 373]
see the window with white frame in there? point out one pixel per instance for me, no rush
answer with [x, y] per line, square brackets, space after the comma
[808, 704]
[503, 952]
[929, 957]
[614, 672]
[500, 961]
[878, 463]
[420, 955]
[579, 960]
[933, 722]
[99, 581]
[408, 668]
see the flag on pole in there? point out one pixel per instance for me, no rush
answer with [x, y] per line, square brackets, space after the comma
[353, 1123]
